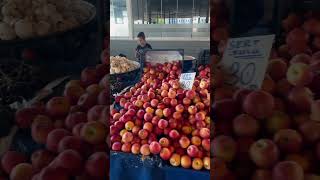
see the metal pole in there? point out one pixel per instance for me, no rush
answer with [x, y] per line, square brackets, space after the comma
[146, 4]
[161, 9]
[192, 12]
[177, 10]
[130, 19]
[142, 2]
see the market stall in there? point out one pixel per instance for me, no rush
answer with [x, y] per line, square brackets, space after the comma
[271, 130]
[160, 125]
[52, 81]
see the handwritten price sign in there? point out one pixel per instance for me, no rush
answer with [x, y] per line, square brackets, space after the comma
[246, 59]
[187, 80]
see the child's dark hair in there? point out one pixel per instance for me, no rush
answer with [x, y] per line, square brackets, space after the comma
[141, 35]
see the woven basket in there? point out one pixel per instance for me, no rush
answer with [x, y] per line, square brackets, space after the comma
[120, 81]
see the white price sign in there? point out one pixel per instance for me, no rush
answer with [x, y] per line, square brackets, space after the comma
[245, 60]
[187, 80]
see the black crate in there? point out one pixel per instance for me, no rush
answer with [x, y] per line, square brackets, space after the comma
[204, 58]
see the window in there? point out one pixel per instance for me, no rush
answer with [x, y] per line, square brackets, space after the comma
[170, 11]
[118, 18]
[160, 18]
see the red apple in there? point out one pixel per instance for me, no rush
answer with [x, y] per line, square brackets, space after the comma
[116, 146]
[299, 74]
[73, 93]
[277, 69]
[41, 159]
[89, 76]
[277, 121]
[224, 147]
[287, 170]
[193, 151]
[75, 118]
[300, 99]
[175, 159]
[10, 159]
[22, 171]
[143, 134]
[94, 132]
[205, 133]
[186, 161]
[58, 106]
[162, 124]
[258, 104]
[165, 153]
[197, 164]
[310, 131]
[155, 147]
[54, 137]
[86, 101]
[71, 161]
[264, 153]
[288, 140]
[245, 125]
[174, 134]
[145, 150]
[97, 164]
[184, 142]
[206, 144]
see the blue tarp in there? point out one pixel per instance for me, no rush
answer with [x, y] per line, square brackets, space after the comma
[125, 166]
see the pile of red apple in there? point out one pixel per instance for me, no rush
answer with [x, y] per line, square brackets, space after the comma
[158, 117]
[273, 133]
[73, 128]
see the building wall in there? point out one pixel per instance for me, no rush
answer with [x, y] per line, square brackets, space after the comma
[127, 47]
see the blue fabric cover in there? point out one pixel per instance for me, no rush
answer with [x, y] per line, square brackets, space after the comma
[124, 166]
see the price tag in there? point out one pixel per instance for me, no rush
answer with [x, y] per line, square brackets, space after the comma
[245, 60]
[187, 80]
